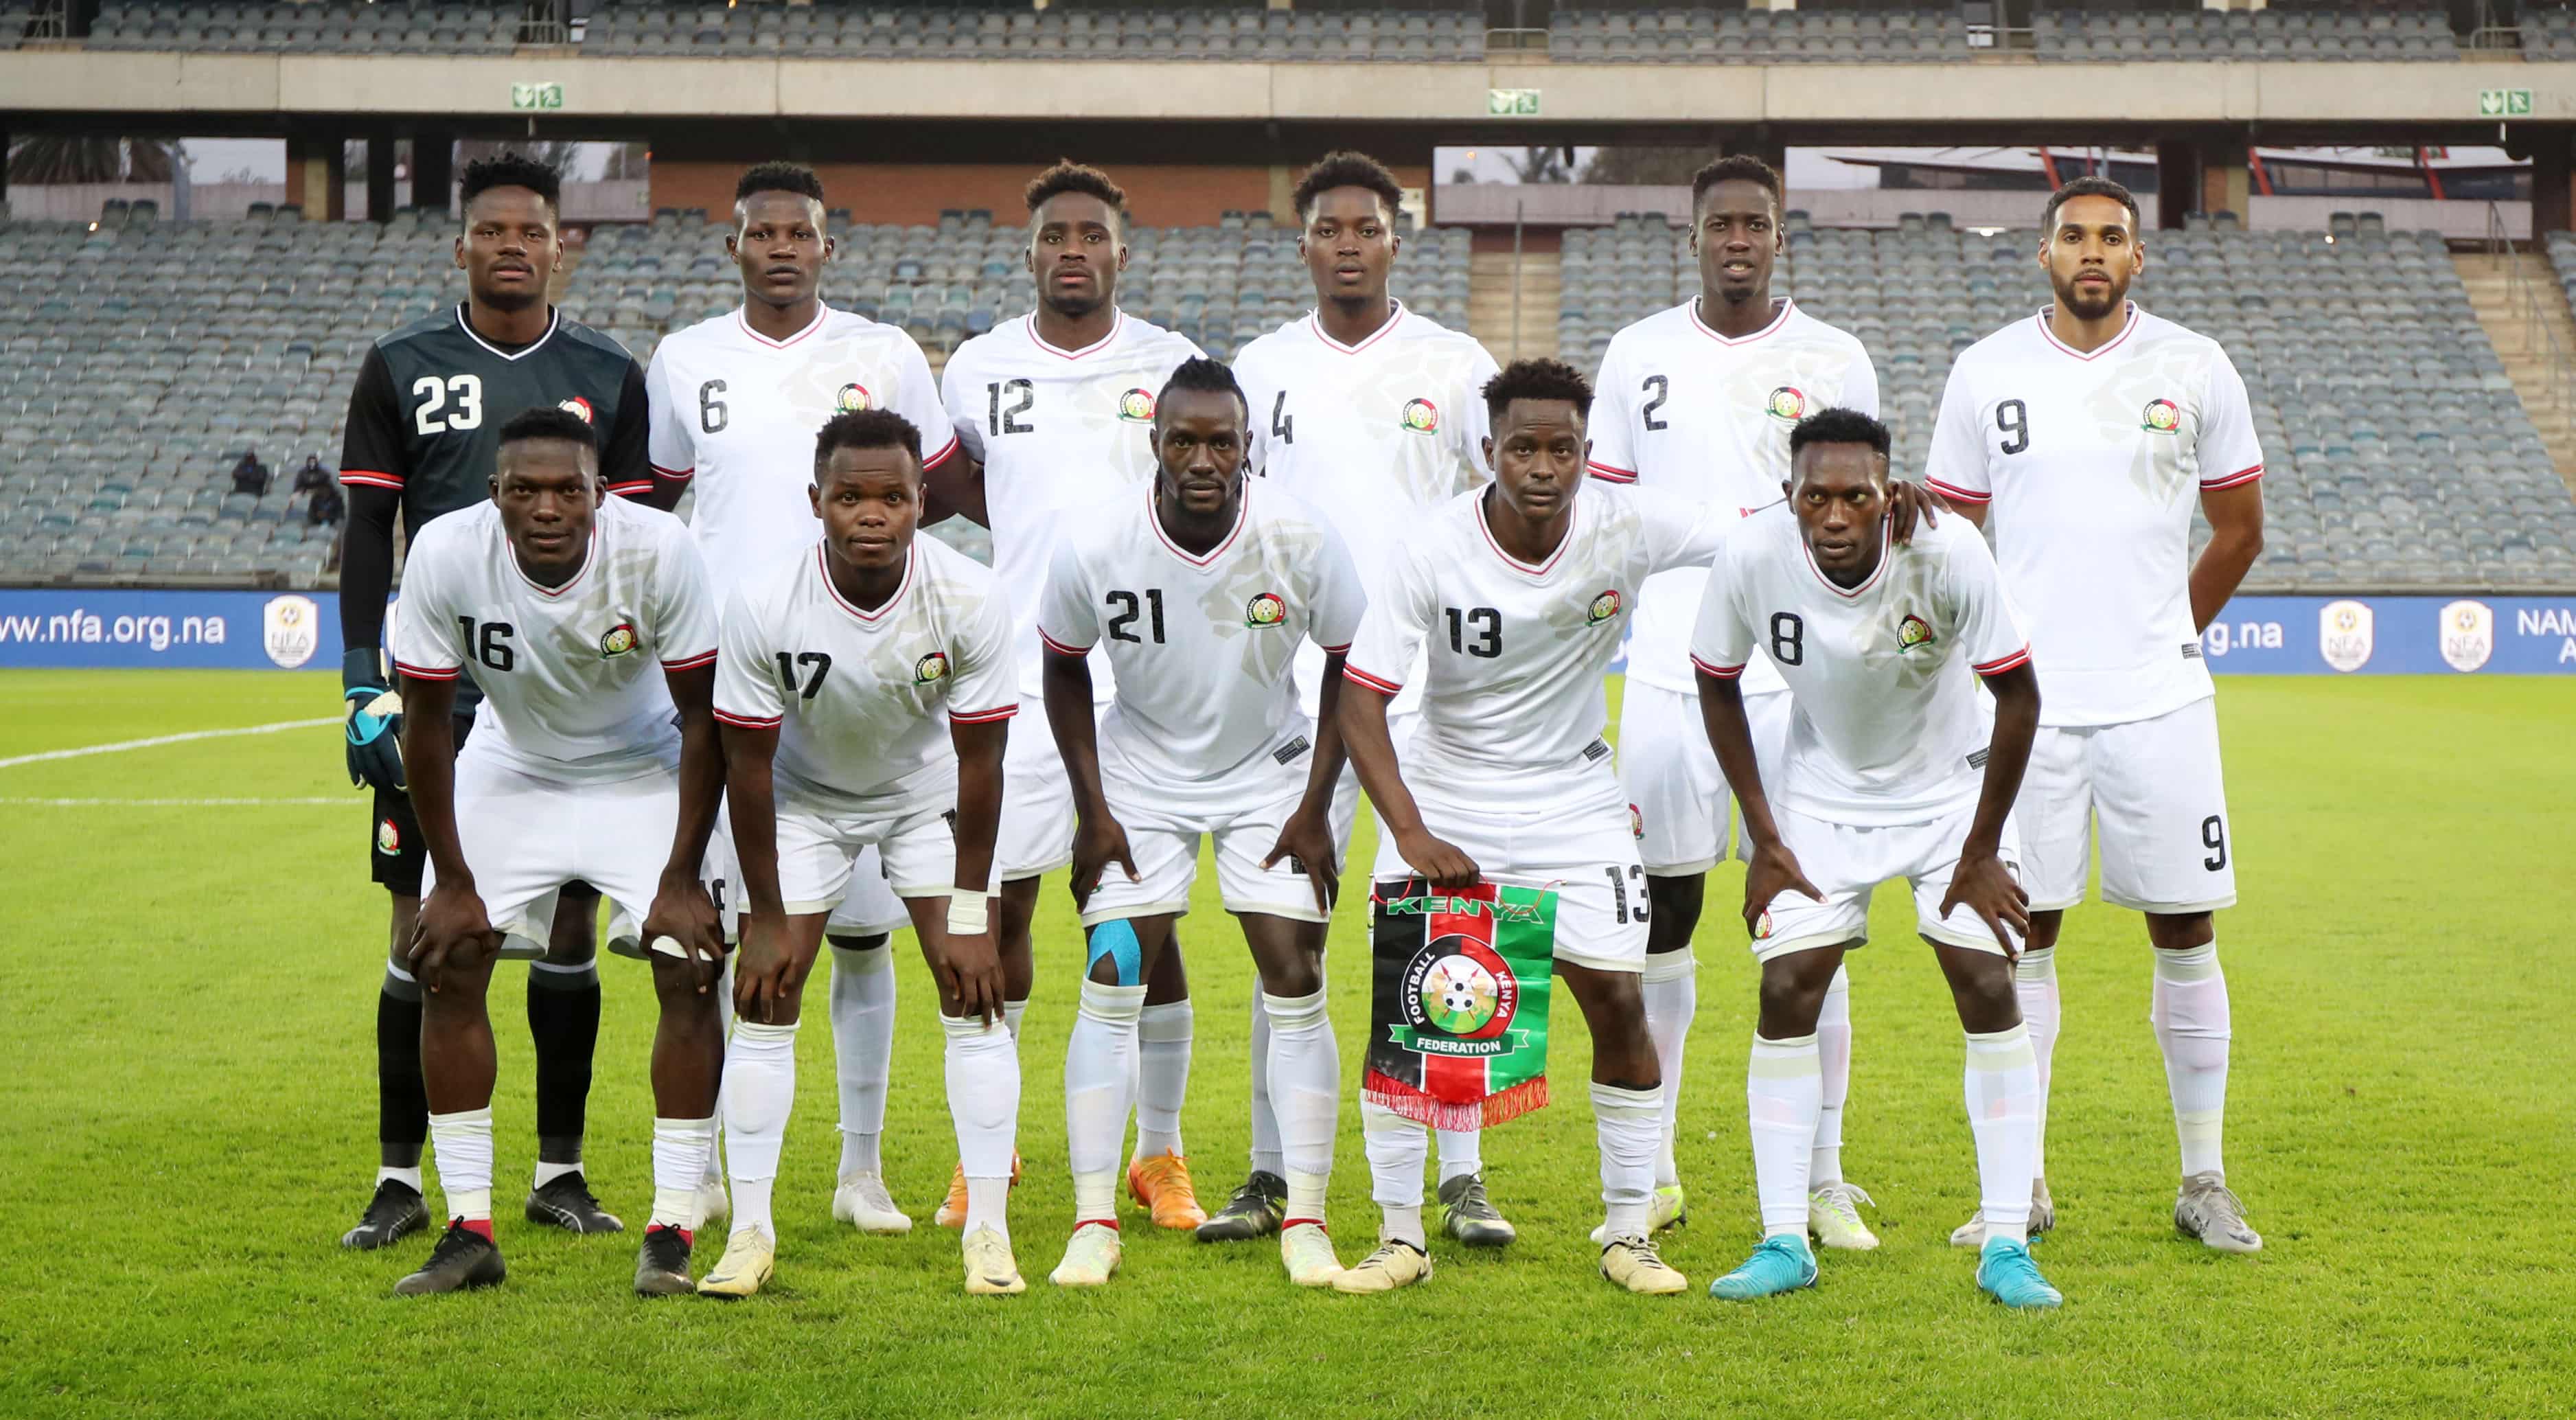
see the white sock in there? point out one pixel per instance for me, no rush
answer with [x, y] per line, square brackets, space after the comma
[679, 1161]
[984, 1102]
[1265, 1117]
[723, 988]
[1012, 1012]
[1784, 1093]
[1833, 1057]
[759, 1091]
[1162, 1076]
[2003, 1114]
[1397, 1149]
[462, 1145]
[410, 1177]
[1305, 1070]
[549, 1172]
[1098, 1067]
[1461, 1152]
[1628, 1125]
[1670, 984]
[2035, 987]
[862, 1050]
[2191, 1018]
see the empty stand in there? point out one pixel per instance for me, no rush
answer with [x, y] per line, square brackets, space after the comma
[1242, 31]
[2375, 35]
[323, 26]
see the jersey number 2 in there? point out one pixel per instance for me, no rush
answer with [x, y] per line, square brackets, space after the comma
[432, 416]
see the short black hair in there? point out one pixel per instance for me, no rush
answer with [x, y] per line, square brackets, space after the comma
[548, 421]
[2088, 187]
[1070, 176]
[865, 429]
[1839, 426]
[1538, 379]
[510, 170]
[778, 175]
[1735, 167]
[1345, 168]
[1207, 377]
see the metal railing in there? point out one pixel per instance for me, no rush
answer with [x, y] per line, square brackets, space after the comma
[2525, 300]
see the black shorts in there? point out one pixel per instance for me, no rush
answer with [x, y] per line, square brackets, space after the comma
[394, 850]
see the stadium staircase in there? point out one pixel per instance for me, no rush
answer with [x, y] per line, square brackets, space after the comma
[1489, 302]
[2525, 313]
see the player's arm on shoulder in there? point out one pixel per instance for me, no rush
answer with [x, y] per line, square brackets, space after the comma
[625, 449]
[1957, 468]
[2231, 493]
[1612, 426]
[671, 444]
[955, 488]
[1390, 635]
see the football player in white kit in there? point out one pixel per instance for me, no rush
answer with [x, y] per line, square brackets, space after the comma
[1889, 770]
[586, 622]
[736, 400]
[1373, 416]
[2089, 430]
[1201, 589]
[1053, 411]
[1699, 399]
[1512, 599]
[865, 693]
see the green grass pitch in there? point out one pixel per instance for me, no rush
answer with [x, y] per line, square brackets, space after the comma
[187, 994]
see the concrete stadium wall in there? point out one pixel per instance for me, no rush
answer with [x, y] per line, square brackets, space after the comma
[1159, 195]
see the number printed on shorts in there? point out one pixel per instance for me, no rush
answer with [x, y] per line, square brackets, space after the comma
[488, 642]
[1619, 892]
[1476, 632]
[1788, 638]
[1128, 612]
[2213, 836]
[816, 662]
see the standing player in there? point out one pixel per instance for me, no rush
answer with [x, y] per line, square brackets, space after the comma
[1699, 399]
[838, 671]
[736, 401]
[1055, 411]
[423, 428]
[1880, 777]
[1512, 600]
[1373, 416]
[1204, 591]
[2091, 428]
[589, 622]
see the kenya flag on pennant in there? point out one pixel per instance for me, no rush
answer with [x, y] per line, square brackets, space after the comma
[1458, 1020]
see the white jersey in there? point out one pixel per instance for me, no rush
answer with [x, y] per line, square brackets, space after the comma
[1205, 644]
[857, 696]
[1685, 409]
[571, 675]
[1058, 432]
[1516, 654]
[1374, 436]
[1886, 726]
[738, 412]
[2092, 464]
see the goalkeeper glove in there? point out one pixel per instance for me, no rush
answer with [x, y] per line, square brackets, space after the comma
[374, 723]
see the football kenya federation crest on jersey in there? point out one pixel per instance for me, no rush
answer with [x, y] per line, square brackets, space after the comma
[1267, 609]
[1420, 416]
[2161, 416]
[1912, 632]
[930, 669]
[617, 641]
[853, 397]
[1788, 404]
[577, 405]
[1136, 406]
[1604, 607]
[2468, 634]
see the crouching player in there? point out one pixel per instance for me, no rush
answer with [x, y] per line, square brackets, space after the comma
[865, 691]
[1202, 589]
[1890, 772]
[1521, 591]
[585, 623]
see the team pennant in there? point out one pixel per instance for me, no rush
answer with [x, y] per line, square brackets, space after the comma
[1458, 1021]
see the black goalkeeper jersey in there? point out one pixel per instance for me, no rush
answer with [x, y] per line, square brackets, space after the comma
[426, 415]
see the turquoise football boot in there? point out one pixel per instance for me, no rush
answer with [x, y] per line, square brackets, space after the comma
[1781, 1264]
[2005, 1270]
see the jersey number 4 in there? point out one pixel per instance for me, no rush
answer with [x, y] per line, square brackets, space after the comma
[455, 402]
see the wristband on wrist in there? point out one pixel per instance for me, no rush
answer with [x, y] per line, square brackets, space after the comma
[969, 914]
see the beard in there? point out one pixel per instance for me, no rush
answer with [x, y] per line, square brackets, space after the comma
[535, 295]
[2085, 304]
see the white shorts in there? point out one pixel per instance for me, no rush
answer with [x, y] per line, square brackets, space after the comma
[1847, 863]
[1573, 836]
[526, 836]
[868, 909]
[1669, 772]
[1346, 792]
[1035, 835]
[1167, 864]
[2155, 790]
[819, 851]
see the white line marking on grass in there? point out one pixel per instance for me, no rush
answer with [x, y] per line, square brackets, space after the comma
[174, 803]
[166, 740]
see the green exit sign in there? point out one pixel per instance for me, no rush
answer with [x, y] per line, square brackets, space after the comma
[2504, 103]
[1511, 103]
[536, 96]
